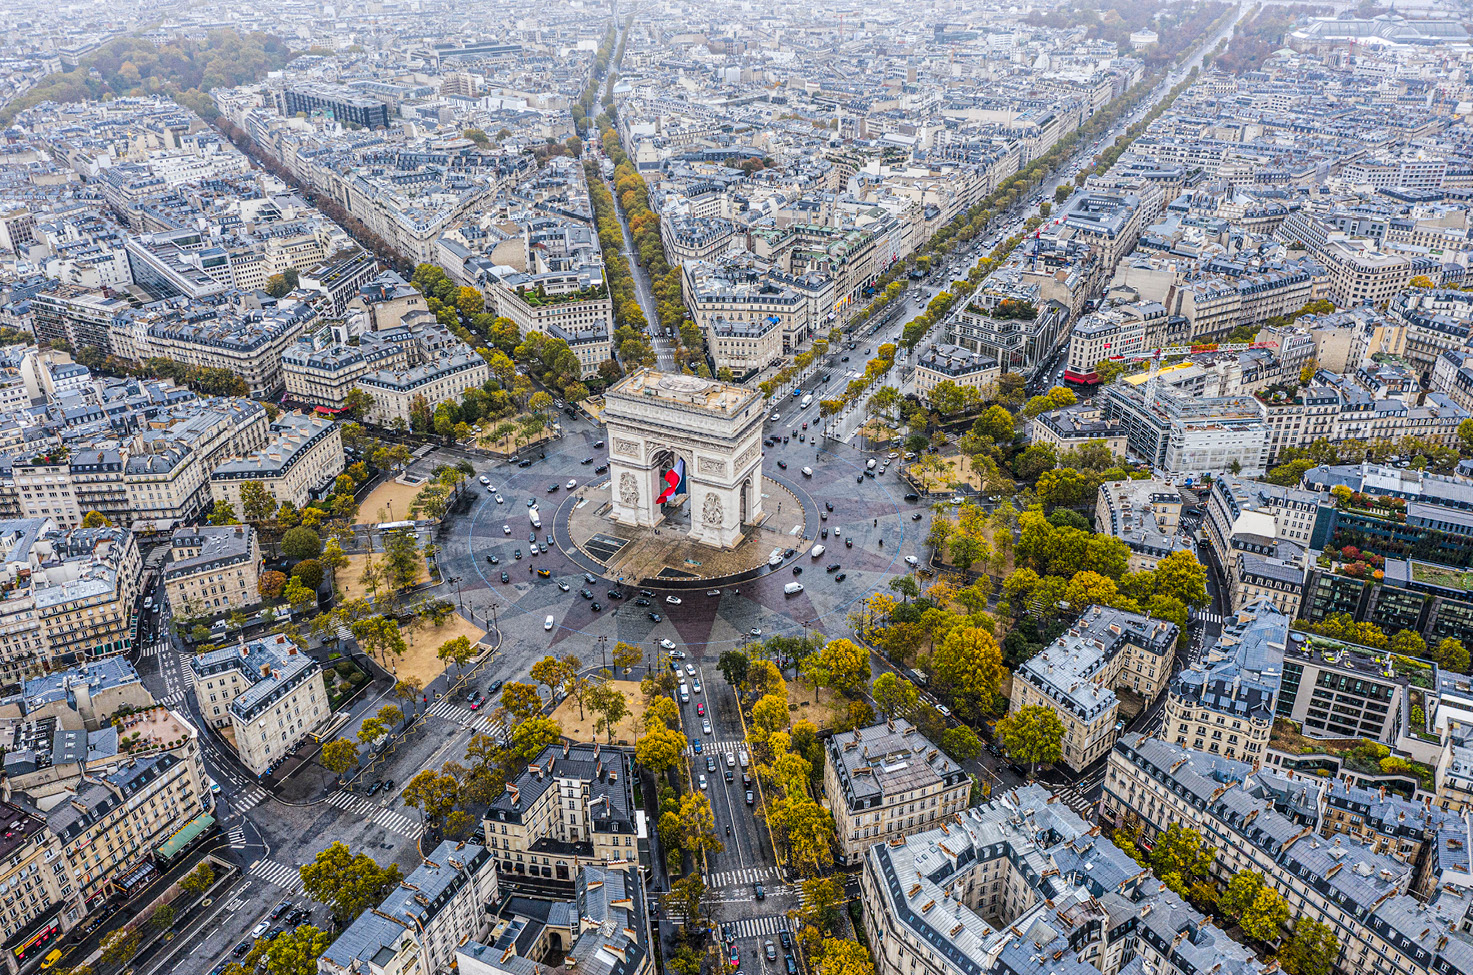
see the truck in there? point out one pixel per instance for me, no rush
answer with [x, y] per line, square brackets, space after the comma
[792, 588]
[806, 402]
[535, 517]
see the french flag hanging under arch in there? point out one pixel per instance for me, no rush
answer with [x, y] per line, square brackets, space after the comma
[675, 479]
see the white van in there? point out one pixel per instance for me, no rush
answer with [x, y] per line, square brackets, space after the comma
[792, 588]
[547, 623]
[871, 465]
[684, 693]
[817, 551]
[807, 472]
[776, 558]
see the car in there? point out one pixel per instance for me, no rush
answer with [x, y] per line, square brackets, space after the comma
[545, 573]
[701, 708]
[713, 592]
[944, 710]
[828, 506]
[505, 578]
[730, 760]
[586, 461]
[958, 499]
[783, 464]
[677, 655]
[831, 567]
[597, 444]
[493, 560]
[655, 617]
[572, 483]
[845, 359]
[746, 780]
[672, 600]
[824, 533]
[729, 776]
[805, 424]
[552, 489]
[785, 938]
[770, 951]
[790, 553]
[563, 586]
[241, 949]
[761, 894]
[517, 554]
[641, 602]
[646, 592]
[524, 463]
[485, 481]
[703, 781]
[912, 560]
[797, 570]
[710, 763]
[802, 437]
[586, 594]
[506, 529]
[695, 686]
[917, 516]
[859, 479]
[755, 631]
[601, 468]
[532, 538]
[749, 797]
[280, 909]
[893, 454]
[848, 543]
[531, 502]
[475, 705]
[690, 669]
[792, 965]
[260, 928]
[597, 606]
[840, 577]
[775, 417]
[615, 594]
[696, 744]
[494, 686]
[668, 644]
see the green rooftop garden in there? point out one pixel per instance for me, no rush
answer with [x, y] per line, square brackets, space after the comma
[540, 298]
[1442, 575]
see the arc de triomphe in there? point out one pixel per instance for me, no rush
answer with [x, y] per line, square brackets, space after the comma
[655, 418]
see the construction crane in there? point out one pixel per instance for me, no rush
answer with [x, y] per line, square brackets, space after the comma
[1156, 356]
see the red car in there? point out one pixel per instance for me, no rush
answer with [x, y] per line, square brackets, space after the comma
[701, 709]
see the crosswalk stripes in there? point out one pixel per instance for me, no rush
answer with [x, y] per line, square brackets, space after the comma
[154, 649]
[176, 698]
[350, 802]
[399, 823]
[1209, 617]
[249, 799]
[1081, 804]
[729, 878]
[756, 927]
[724, 746]
[279, 874]
[237, 837]
[450, 711]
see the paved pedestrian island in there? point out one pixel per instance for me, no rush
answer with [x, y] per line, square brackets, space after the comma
[667, 553]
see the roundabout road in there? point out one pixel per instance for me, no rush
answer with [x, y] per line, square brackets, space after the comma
[869, 512]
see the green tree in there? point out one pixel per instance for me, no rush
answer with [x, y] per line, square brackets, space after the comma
[347, 883]
[308, 573]
[119, 947]
[733, 665]
[841, 664]
[223, 513]
[458, 651]
[96, 519]
[198, 880]
[295, 951]
[961, 743]
[1311, 949]
[258, 504]
[1180, 575]
[1180, 858]
[520, 701]
[1266, 916]
[608, 702]
[627, 656]
[432, 793]
[301, 543]
[338, 756]
[529, 738]
[402, 559]
[659, 749]
[1452, 655]
[1032, 734]
[839, 957]
[379, 635]
[894, 696]
[698, 825]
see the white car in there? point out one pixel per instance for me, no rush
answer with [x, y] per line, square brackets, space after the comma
[498, 499]
[695, 685]
[893, 455]
[673, 600]
[775, 417]
[667, 645]
[703, 781]
[958, 499]
[705, 727]
[945, 711]
[506, 529]
[690, 669]
[911, 560]
[485, 481]
[563, 586]
[572, 483]
[547, 623]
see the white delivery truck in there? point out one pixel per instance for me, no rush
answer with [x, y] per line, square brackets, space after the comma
[807, 472]
[817, 551]
[871, 465]
[792, 588]
[806, 402]
[535, 517]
